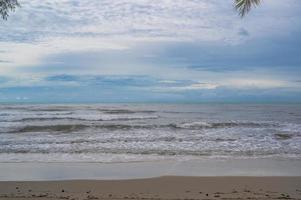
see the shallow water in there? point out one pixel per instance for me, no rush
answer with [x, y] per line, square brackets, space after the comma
[148, 132]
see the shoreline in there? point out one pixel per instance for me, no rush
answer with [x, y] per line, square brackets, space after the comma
[137, 170]
[165, 187]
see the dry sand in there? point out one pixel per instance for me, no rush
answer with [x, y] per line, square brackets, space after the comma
[168, 187]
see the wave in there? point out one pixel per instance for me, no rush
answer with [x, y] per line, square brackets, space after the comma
[73, 108]
[105, 150]
[204, 125]
[120, 126]
[283, 136]
[82, 141]
[124, 111]
[51, 128]
[161, 152]
[81, 118]
[36, 108]
[77, 127]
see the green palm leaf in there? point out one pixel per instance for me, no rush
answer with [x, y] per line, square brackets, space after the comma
[6, 6]
[244, 6]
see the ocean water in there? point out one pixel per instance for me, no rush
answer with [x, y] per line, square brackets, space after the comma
[148, 132]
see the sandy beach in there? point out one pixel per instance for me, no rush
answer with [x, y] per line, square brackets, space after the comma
[167, 187]
[198, 179]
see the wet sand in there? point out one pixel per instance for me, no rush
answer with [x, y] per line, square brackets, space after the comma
[166, 187]
[138, 170]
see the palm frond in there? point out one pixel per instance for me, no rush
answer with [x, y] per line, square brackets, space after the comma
[6, 6]
[244, 6]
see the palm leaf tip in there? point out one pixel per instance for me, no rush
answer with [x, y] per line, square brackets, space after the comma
[244, 6]
[6, 6]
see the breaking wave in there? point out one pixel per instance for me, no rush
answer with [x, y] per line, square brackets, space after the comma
[204, 125]
[117, 126]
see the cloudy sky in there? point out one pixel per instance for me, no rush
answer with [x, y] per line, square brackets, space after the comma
[150, 51]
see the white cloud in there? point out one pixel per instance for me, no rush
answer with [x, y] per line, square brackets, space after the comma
[168, 81]
[256, 83]
[32, 54]
[200, 86]
[242, 84]
[206, 20]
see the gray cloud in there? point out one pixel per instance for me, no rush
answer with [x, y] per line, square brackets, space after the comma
[4, 61]
[243, 32]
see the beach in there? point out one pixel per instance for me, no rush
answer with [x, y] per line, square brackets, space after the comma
[199, 179]
[150, 151]
[172, 187]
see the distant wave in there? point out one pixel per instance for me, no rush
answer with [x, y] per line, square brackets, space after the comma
[80, 118]
[74, 108]
[124, 111]
[207, 125]
[36, 108]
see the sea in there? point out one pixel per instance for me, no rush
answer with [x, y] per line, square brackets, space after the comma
[117, 133]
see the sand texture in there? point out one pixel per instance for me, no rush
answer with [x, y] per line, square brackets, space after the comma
[157, 188]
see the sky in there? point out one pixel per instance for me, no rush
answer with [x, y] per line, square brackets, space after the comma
[150, 51]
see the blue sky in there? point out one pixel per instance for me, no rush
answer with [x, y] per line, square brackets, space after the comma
[150, 51]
